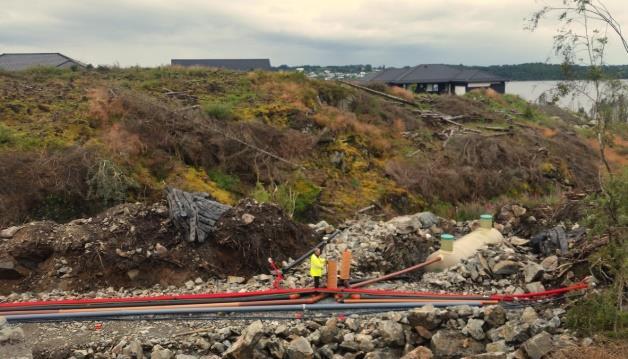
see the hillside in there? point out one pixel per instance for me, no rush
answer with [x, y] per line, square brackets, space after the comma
[74, 143]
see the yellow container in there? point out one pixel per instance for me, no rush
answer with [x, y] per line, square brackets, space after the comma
[486, 221]
[447, 242]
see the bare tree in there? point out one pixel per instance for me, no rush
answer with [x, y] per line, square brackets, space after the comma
[581, 39]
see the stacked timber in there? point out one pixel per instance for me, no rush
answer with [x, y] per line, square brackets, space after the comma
[194, 213]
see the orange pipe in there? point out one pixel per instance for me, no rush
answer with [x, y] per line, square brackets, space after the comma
[310, 300]
[332, 274]
[413, 301]
[345, 265]
[394, 274]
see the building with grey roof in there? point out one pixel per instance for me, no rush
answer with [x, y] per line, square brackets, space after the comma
[437, 78]
[24, 61]
[231, 64]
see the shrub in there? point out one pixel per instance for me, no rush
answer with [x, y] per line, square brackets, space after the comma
[219, 111]
[223, 180]
[5, 136]
[108, 183]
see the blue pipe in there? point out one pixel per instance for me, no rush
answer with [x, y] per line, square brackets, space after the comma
[261, 308]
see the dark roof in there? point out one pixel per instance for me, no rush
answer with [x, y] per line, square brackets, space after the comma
[431, 74]
[233, 64]
[16, 62]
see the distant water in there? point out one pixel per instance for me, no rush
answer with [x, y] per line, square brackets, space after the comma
[531, 90]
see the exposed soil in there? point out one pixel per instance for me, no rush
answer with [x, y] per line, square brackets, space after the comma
[136, 245]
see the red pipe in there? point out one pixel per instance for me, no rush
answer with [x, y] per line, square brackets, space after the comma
[394, 274]
[160, 297]
[547, 293]
[310, 300]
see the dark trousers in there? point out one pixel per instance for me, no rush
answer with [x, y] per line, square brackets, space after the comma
[317, 281]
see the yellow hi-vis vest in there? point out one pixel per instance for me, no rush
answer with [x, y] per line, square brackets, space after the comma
[316, 265]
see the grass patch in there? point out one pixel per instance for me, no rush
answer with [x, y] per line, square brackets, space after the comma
[224, 180]
[219, 111]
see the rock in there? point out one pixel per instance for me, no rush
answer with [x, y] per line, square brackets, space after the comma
[133, 273]
[299, 348]
[539, 345]
[451, 343]
[423, 332]
[529, 315]
[535, 287]
[185, 356]
[474, 329]
[516, 241]
[497, 347]
[276, 348]
[281, 330]
[8, 269]
[505, 267]
[248, 218]
[428, 219]
[513, 331]
[518, 211]
[134, 349]
[80, 354]
[494, 315]
[406, 224]
[235, 279]
[426, 317]
[11, 335]
[189, 284]
[419, 353]
[550, 263]
[161, 353]
[245, 345]
[532, 271]
[3, 322]
[8, 233]
[391, 332]
[160, 250]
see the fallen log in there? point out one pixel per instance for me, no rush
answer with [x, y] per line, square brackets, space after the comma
[194, 213]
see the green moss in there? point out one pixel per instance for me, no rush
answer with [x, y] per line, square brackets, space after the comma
[224, 180]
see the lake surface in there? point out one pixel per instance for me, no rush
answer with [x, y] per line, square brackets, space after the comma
[531, 90]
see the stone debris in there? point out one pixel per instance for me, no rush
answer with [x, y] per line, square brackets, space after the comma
[492, 331]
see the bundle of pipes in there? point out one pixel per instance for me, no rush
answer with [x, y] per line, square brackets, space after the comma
[272, 300]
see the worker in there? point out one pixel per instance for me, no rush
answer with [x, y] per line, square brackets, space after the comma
[317, 263]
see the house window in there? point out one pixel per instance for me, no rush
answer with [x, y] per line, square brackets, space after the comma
[432, 87]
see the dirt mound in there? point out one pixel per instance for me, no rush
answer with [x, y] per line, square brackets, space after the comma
[256, 231]
[136, 245]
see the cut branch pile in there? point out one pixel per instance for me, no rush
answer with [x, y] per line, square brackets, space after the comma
[194, 212]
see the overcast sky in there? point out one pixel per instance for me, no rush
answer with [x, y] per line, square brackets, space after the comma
[394, 33]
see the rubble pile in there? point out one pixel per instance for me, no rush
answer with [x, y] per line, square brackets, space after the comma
[137, 245]
[427, 332]
[387, 246]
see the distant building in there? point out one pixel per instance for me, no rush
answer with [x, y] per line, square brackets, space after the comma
[231, 64]
[23, 61]
[441, 79]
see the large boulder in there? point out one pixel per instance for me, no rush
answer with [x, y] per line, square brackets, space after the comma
[453, 344]
[427, 317]
[245, 345]
[391, 332]
[299, 348]
[419, 353]
[539, 345]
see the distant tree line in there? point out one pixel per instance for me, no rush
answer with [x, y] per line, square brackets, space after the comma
[347, 69]
[523, 72]
[540, 71]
